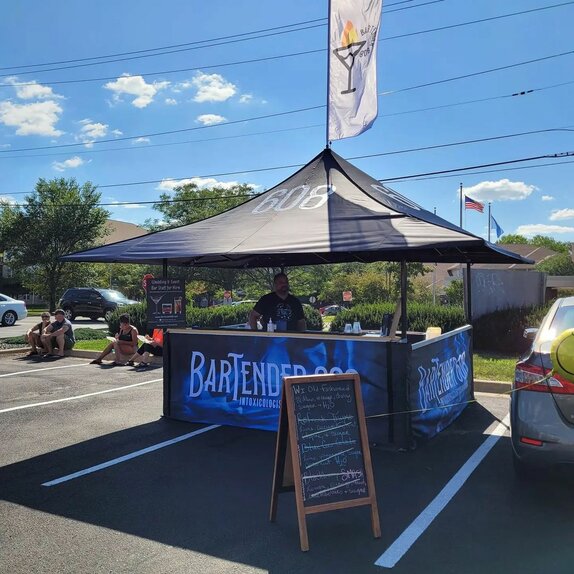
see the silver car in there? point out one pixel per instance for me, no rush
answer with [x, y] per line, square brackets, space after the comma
[542, 406]
[11, 310]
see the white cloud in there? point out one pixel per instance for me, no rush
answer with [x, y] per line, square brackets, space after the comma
[5, 146]
[38, 118]
[129, 205]
[210, 119]
[71, 163]
[501, 190]
[32, 90]
[7, 199]
[141, 140]
[212, 88]
[171, 184]
[117, 133]
[135, 86]
[559, 214]
[541, 229]
[91, 131]
[170, 102]
[245, 99]
[547, 198]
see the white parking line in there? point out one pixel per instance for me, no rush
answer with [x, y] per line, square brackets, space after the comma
[402, 544]
[129, 456]
[78, 396]
[44, 369]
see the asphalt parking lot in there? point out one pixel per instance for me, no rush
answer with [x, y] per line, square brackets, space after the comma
[93, 479]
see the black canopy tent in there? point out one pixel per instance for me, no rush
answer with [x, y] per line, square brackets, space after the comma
[327, 212]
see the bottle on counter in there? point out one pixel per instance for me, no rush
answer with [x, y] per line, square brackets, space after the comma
[270, 326]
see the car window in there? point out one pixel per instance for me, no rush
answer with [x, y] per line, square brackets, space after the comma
[113, 295]
[564, 319]
[2, 298]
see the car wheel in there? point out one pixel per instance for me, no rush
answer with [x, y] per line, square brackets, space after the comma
[108, 314]
[69, 313]
[9, 318]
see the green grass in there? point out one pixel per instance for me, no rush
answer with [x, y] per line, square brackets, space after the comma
[494, 367]
[93, 345]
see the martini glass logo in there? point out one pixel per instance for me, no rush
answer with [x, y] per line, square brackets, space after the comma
[346, 54]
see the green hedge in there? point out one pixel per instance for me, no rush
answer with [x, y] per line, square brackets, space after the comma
[419, 316]
[81, 334]
[208, 318]
[502, 331]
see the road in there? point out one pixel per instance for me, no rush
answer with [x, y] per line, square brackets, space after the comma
[95, 480]
[23, 325]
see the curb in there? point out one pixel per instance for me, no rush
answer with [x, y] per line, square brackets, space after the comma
[79, 353]
[481, 386]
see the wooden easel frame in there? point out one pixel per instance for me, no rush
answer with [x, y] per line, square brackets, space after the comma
[287, 471]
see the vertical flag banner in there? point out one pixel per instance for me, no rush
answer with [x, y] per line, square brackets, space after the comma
[470, 203]
[353, 32]
[499, 230]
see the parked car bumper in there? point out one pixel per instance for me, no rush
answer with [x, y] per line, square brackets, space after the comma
[534, 415]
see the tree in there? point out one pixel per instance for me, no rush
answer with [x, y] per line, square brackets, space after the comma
[58, 218]
[513, 239]
[191, 203]
[560, 264]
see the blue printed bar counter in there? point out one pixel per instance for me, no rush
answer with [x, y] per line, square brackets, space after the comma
[235, 377]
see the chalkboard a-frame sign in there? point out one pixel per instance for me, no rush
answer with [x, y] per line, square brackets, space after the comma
[322, 449]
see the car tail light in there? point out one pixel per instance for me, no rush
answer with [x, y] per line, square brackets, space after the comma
[528, 377]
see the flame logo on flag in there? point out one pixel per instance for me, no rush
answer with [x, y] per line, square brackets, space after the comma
[349, 35]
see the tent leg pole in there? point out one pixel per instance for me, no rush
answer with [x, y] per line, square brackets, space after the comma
[404, 299]
[164, 272]
[468, 296]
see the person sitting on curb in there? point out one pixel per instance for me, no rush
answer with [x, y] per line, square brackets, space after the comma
[61, 332]
[153, 345]
[124, 345]
[33, 338]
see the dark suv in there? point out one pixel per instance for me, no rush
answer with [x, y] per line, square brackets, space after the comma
[91, 302]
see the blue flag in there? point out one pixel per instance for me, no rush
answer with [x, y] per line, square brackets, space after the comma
[499, 230]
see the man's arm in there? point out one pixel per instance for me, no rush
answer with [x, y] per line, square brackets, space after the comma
[253, 318]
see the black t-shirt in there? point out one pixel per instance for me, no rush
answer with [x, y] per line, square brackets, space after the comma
[271, 306]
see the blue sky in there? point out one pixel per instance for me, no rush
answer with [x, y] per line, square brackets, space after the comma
[137, 97]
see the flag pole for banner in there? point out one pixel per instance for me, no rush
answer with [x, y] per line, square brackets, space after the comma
[328, 71]
[489, 221]
[460, 225]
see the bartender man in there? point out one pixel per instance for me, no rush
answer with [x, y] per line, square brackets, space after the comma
[280, 306]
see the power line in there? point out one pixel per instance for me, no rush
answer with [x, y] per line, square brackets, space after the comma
[188, 43]
[195, 47]
[281, 56]
[294, 166]
[395, 180]
[182, 130]
[203, 140]
[473, 74]
[460, 169]
[554, 163]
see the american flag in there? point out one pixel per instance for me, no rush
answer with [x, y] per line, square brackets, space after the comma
[470, 203]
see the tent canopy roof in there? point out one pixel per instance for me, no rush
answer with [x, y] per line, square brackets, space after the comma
[327, 212]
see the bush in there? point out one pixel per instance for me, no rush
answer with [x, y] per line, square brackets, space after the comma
[208, 318]
[502, 331]
[419, 316]
[81, 334]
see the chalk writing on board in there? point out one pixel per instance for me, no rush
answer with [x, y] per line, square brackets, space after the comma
[329, 442]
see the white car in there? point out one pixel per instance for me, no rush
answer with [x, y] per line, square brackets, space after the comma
[11, 310]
